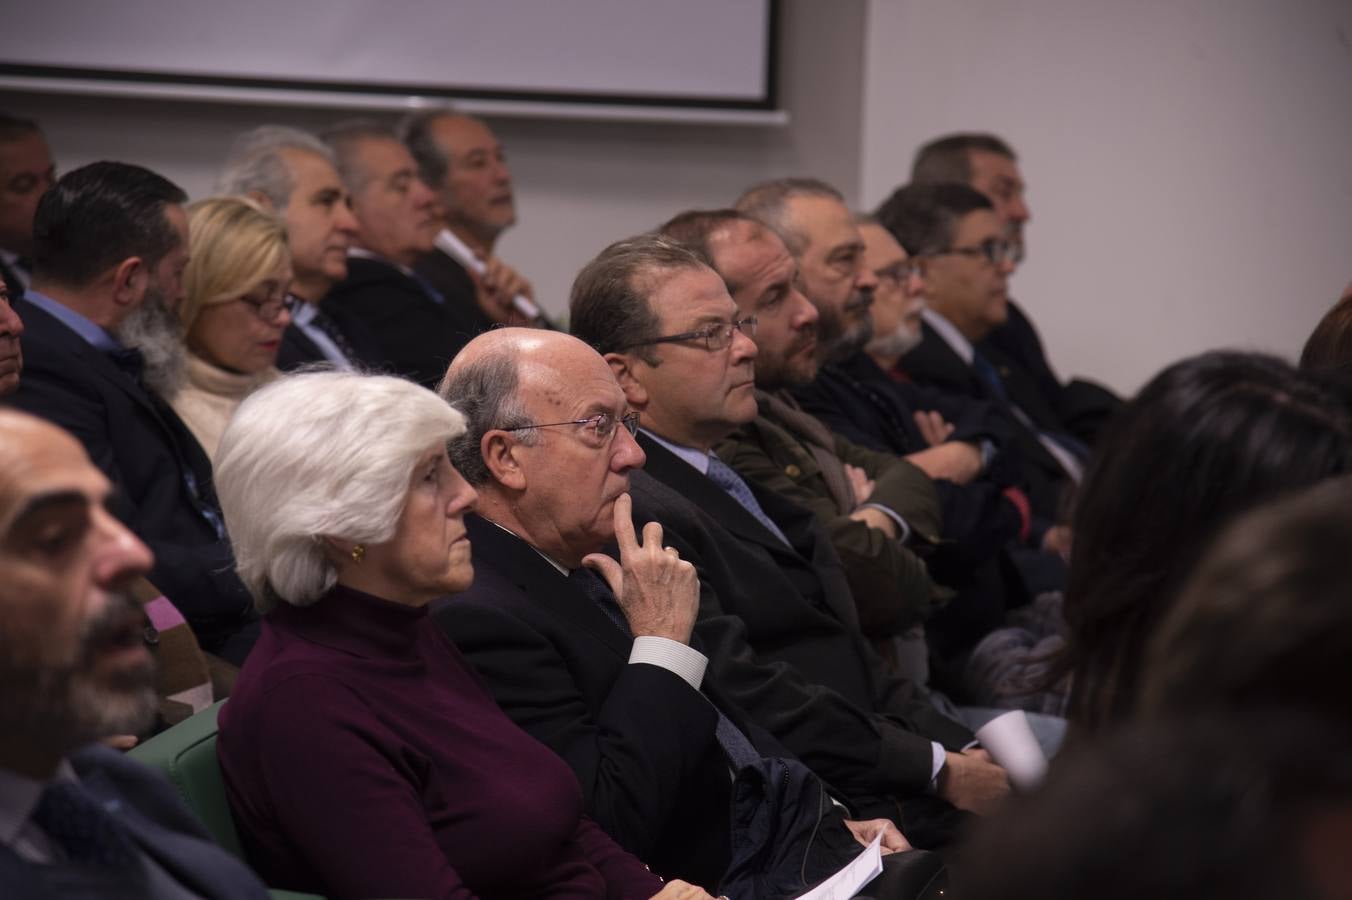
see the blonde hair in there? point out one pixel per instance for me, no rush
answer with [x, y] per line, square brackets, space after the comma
[234, 246]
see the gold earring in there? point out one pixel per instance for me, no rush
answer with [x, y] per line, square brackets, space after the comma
[358, 552]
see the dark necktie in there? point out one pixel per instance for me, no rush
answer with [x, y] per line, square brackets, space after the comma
[987, 373]
[1071, 446]
[739, 751]
[721, 474]
[430, 291]
[87, 833]
[324, 322]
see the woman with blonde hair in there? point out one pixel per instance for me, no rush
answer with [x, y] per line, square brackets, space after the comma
[235, 309]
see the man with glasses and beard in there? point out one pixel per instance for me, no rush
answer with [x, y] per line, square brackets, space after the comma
[102, 344]
[77, 820]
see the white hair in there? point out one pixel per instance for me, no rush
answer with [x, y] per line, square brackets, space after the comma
[320, 455]
[255, 162]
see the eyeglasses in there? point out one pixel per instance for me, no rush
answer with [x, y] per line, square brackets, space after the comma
[270, 308]
[996, 251]
[901, 271]
[600, 427]
[716, 337]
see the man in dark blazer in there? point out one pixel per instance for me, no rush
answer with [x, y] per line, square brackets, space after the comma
[99, 327]
[613, 683]
[776, 615]
[415, 330]
[78, 819]
[967, 262]
[988, 164]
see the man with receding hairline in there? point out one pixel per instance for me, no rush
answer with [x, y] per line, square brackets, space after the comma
[77, 819]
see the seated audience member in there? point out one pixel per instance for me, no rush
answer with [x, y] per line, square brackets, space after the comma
[1252, 803]
[26, 172]
[186, 680]
[413, 329]
[988, 164]
[362, 756]
[80, 819]
[1329, 347]
[596, 659]
[234, 310]
[809, 219]
[776, 620]
[966, 262]
[1264, 619]
[1205, 440]
[462, 161]
[11, 350]
[292, 173]
[102, 344]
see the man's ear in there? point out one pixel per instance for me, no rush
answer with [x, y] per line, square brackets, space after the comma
[622, 366]
[500, 455]
[130, 278]
[262, 200]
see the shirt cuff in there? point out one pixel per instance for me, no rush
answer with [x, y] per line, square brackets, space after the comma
[667, 654]
[940, 755]
[903, 530]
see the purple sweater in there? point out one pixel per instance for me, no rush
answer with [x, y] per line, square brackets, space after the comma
[363, 757]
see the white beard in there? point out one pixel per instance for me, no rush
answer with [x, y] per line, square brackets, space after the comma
[155, 330]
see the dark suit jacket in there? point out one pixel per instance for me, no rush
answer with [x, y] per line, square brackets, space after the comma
[934, 363]
[411, 334]
[157, 820]
[298, 350]
[1082, 407]
[150, 456]
[455, 284]
[639, 738]
[783, 640]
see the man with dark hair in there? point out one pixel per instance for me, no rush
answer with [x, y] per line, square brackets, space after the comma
[26, 171]
[293, 174]
[110, 245]
[415, 330]
[988, 164]
[596, 658]
[975, 520]
[967, 261]
[776, 619]
[78, 819]
[462, 161]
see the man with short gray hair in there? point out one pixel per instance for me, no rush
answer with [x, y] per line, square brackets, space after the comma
[291, 173]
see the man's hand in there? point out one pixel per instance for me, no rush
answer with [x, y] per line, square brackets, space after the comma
[865, 831]
[1058, 539]
[860, 483]
[680, 890]
[932, 427]
[970, 780]
[656, 589]
[876, 518]
[497, 287]
[955, 461]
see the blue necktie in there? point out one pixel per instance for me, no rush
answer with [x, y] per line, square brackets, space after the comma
[83, 828]
[990, 376]
[736, 747]
[721, 474]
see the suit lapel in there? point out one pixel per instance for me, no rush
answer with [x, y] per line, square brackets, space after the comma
[684, 478]
[518, 562]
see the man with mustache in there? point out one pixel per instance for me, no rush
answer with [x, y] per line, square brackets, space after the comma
[414, 328]
[461, 159]
[110, 244]
[78, 819]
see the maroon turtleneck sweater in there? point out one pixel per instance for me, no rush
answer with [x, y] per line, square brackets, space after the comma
[363, 757]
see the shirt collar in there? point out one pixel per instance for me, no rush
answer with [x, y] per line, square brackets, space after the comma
[697, 458]
[562, 569]
[19, 796]
[363, 253]
[93, 335]
[950, 335]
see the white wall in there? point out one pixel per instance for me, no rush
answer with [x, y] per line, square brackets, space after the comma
[1189, 161]
[580, 185]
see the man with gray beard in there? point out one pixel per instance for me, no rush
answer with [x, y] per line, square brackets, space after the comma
[101, 341]
[78, 819]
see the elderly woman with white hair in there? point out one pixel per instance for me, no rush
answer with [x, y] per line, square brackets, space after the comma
[362, 757]
[234, 311]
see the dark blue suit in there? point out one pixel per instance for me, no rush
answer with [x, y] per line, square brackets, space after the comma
[162, 827]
